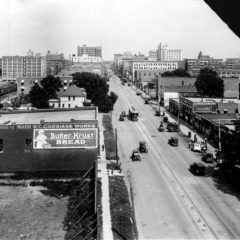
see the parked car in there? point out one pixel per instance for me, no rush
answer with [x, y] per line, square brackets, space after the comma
[139, 92]
[197, 168]
[143, 147]
[172, 127]
[195, 146]
[121, 118]
[161, 127]
[157, 113]
[173, 141]
[123, 83]
[136, 155]
[208, 158]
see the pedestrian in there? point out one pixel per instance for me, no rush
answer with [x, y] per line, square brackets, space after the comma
[103, 147]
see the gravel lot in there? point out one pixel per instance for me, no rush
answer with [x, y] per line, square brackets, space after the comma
[27, 213]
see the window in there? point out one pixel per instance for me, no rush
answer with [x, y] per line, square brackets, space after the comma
[1, 145]
[69, 105]
[63, 105]
[69, 98]
[28, 144]
[73, 98]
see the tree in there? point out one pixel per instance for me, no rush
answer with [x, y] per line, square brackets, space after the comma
[97, 90]
[209, 84]
[176, 73]
[51, 85]
[39, 95]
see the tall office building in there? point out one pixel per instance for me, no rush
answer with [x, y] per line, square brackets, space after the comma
[14, 67]
[90, 51]
[165, 54]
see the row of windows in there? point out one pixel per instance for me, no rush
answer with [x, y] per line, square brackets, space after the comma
[154, 64]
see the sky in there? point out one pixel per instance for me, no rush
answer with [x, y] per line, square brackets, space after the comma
[115, 25]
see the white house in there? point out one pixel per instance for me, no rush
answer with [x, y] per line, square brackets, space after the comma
[70, 97]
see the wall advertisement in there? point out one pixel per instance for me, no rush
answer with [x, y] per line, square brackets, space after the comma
[64, 138]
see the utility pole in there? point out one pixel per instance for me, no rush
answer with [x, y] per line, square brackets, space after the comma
[219, 136]
[116, 144]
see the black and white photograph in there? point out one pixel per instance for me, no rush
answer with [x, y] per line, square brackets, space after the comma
[119, 119]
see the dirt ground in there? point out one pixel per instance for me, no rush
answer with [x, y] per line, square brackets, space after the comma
[27, 213]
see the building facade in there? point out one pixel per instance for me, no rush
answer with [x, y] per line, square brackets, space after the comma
[203, 61]
[49, 140]
[153, 65]
[69, 97]
[55, 63]
[90, 51]
[14, 67]
[164, 54]
[85, 59]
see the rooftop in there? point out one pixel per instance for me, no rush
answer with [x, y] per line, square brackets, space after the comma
[34, 117]
[214, 100]
[73, 91]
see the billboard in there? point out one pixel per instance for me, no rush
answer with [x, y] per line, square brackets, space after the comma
[64, 138]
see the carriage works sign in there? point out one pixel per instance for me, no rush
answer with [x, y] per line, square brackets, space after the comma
[64, 138]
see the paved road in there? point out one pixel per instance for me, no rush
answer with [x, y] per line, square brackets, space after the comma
[169, 201]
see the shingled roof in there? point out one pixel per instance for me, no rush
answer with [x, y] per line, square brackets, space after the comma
[73, 91]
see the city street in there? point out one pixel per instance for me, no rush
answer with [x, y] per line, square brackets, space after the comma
[169, 201]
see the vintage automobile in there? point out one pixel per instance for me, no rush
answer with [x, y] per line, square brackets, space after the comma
[208, 158]
[135, 155]
[139, 92]
[143, 147]
[161, 127]
[123, 113]
[172, 127]
[197, 168]
[121, 118]
[195, 146]
[157, 113]
[173, 141]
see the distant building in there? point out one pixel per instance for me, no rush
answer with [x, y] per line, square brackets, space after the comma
[55, 63]
[14, 67]
[24, 85]
[164, 54]
[70, 97]
[195, 65]
[153, 65]
[152, 55]
[117, 58]
[90, 51]
[85, 59]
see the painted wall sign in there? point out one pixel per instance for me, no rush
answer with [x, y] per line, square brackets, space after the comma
[64, 138]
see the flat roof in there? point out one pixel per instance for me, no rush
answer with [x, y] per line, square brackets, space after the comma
[216, 100]
[34, 117]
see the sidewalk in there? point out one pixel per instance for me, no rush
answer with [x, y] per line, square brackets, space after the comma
[103, 175]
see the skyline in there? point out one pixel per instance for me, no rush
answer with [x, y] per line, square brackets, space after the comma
[115, 25]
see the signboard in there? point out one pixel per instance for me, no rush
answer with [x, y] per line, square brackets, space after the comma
[64, 138]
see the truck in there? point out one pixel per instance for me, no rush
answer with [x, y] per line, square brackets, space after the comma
[172, 127]
[133, 114]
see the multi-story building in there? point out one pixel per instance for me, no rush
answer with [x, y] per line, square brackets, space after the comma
[14, 67]
[90, 51]
[195, 65]
[85, 59]
[164, 54]
[55, 63]
[152, 55]
[153, 65]
[24, 85]
[117, 58]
